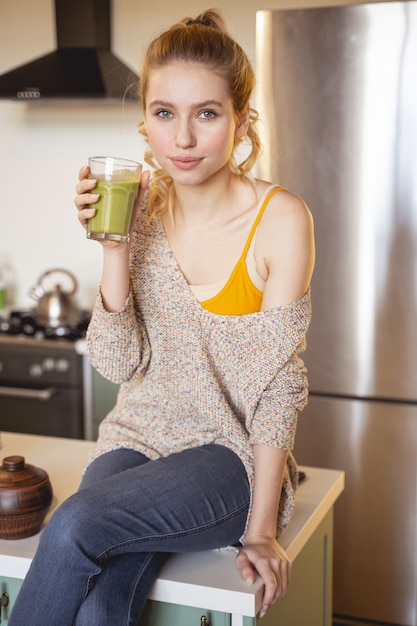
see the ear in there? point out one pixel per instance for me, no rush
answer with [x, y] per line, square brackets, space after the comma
[242, 124]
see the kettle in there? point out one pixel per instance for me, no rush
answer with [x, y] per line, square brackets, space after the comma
[57, 307]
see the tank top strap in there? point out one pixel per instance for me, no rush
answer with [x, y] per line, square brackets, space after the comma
[270, 191]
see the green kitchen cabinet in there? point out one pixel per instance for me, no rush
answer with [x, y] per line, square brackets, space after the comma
[9, 588]
[167, 614]
[104, 396]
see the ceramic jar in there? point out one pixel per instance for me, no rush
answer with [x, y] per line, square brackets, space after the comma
[25, 498]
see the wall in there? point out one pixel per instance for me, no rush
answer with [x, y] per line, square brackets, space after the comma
[43, 146]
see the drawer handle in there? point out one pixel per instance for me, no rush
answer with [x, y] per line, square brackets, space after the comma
[29, 394]
[4, 601]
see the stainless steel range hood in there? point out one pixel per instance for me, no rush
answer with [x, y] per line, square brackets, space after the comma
[81, 68]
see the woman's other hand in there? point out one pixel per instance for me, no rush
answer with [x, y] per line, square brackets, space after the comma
[265, 557]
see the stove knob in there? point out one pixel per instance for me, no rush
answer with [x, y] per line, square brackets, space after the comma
[35, 370]
[62, 366]
[48, 365]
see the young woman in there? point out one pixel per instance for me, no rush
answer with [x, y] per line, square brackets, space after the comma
[201, 318]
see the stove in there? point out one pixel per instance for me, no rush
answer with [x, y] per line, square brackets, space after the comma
[41, 377]
[23, 323]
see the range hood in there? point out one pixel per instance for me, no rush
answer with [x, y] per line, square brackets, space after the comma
[81, 68]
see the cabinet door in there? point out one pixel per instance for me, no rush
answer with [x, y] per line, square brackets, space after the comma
[104, 396]
[166, 614]
[11, 586]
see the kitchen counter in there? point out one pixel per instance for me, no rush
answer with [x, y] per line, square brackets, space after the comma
[200, 579]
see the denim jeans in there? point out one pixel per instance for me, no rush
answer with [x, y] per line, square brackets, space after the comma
[101, 552]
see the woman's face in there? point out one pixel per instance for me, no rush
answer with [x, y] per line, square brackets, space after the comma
[190, 121]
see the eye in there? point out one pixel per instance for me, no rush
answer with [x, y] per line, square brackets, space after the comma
[163, 113]
[207, 115]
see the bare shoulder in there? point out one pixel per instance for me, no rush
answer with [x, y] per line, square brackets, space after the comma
[286, 219]
[286, 206]
[284, 250]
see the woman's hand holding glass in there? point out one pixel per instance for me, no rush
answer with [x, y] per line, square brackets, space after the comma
[86, 196]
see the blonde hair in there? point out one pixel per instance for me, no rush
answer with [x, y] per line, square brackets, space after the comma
[202, 40]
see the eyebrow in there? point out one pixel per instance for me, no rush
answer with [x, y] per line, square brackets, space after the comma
[196, 105]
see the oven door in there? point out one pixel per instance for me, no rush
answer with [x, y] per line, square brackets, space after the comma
[51, 411]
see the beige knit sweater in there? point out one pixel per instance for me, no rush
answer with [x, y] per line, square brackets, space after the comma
[190, 377]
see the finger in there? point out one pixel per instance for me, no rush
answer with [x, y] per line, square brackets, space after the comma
[82, 201]
[84, 215]
[144, 179]
[271, 584]
[284, 580]
[246, 570]
[85, 185]
[264, 567]
[84, 172]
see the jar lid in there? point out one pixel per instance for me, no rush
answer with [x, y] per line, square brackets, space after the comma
[16, 473]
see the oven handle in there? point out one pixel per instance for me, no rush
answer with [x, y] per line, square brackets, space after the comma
[28, 394]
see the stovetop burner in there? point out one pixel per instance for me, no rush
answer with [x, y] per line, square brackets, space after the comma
[23, 323]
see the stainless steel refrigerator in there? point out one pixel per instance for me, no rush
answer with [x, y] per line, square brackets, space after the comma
[337, 96]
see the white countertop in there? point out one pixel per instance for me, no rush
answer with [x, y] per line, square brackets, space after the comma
[199, 579]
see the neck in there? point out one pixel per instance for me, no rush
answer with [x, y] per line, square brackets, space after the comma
[207, 202]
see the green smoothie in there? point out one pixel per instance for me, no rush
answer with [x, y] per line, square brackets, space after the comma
[113, 210]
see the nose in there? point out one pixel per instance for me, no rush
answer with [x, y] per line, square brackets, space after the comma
[185, 137]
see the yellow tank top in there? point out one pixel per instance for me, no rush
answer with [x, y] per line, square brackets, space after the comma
[239, 295]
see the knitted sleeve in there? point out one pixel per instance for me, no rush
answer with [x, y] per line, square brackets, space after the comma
[117, 345]
[274, 421]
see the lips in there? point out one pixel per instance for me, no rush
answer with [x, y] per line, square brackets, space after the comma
[185, 163]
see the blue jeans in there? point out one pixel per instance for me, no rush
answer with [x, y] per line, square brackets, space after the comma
[101, 552]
